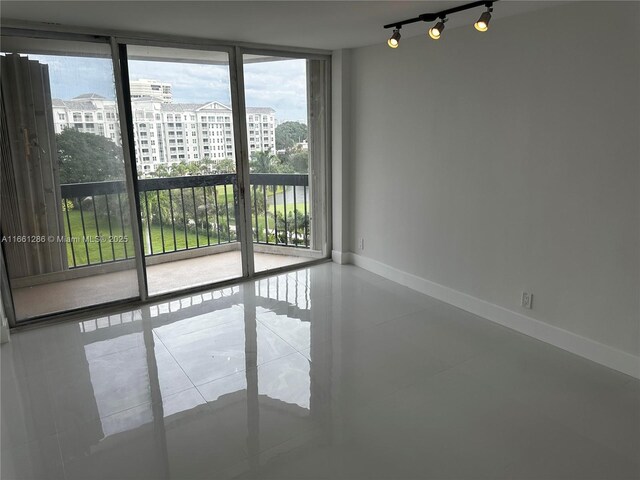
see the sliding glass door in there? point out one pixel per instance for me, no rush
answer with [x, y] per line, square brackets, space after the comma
[286, 142]
[186, 166]
[66, 215]
[133, 170]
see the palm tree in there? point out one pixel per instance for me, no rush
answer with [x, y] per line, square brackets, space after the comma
[226, 165]
[262, 162]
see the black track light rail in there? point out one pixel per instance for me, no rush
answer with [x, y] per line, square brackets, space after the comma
[430, 17]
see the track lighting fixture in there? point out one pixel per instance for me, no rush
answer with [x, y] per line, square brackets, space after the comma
[435, 32]
[394, 41]
[482, 25]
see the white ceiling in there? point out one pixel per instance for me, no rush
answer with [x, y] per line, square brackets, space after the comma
[325, 25]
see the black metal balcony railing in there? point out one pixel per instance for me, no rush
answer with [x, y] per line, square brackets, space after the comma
[181, 213]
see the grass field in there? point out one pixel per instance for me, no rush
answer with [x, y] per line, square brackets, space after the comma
[116, 241]
[118, 245]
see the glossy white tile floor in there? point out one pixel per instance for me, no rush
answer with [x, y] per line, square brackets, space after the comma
[325, 372]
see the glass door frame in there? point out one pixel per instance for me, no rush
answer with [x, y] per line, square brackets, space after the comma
[319, 150]
[121, 66]
[238, 104]
[6, 292]
[118, 42]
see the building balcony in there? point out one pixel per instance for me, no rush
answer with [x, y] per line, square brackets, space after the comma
[190, 230]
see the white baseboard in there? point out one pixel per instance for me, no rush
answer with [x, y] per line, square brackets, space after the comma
[590, 349]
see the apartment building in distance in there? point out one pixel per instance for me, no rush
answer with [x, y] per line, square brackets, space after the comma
[145, 87]
[168, 133]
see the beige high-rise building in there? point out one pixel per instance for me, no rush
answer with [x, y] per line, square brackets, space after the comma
[168, 133]
[156, 89]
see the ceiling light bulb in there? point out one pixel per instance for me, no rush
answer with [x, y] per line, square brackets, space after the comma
[482, 25]
[436, 30]
[394, 41]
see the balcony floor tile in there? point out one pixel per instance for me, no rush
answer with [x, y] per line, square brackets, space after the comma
[162, 278]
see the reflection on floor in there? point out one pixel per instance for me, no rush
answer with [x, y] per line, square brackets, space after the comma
[162, 278]
[325, 372]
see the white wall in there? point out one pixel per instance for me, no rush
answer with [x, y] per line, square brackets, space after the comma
[507, 161]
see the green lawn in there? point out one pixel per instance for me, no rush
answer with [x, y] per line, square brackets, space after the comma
[78, 249]
[120, 246]
[120, 250]
[183, 240]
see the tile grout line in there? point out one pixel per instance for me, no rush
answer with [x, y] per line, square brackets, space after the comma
[155, 335]
[244, 370]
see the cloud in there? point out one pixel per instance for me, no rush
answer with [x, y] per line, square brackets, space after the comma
[190, 83]
[73, 76]
[281, 85]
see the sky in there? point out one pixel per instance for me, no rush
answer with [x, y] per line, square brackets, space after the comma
[280, 85]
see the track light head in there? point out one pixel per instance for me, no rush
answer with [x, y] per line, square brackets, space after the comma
[482, 25]
[436, 31]
[394, 40]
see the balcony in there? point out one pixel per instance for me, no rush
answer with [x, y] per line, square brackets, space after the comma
[189, 234]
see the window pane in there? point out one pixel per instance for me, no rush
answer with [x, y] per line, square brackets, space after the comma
[65, 212]
[281, 161]
[188, 189]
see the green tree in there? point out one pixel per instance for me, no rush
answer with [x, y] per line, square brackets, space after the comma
[181, 169]
[263, 162]
[290, 133]
[287, 232]
[299, 162]
[162, 171]
[85, 157]
[206, 166]
[226, 165]
[293, 161]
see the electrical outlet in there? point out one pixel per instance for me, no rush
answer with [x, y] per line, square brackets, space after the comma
[527, 300]
[362, 244]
